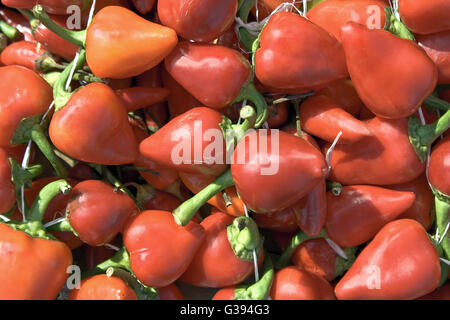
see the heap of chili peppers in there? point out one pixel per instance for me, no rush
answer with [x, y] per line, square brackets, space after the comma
[257, 148]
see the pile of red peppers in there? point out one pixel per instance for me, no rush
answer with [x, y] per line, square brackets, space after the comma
[261, 149]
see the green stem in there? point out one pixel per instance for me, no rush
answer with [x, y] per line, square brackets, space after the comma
[422, 136]
[60, 94]
[142, 291]
[341, 265]
[245, 8]
[46, 63]
[62, 226]
[246, 39]
[35, 170]
[3, 42]
[442, 207]
[184, 213]
[396, 27]
[244, 237]
[39, 138]
[8, 30]
[335, 187]
[249, 92]
[298, 123]
[120, 260]
[437, 103]
[52, 77]
[259, 290]
[296, 240]
[76, 37]
[44, 197]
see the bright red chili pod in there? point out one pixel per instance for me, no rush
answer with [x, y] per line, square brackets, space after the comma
[314, 59]
[24, 53]
[97, 212]
[7, 189]
[183, 145]
[135, 98]
[344, 94]
[323, 118]
[171, 292]
[75, 129]
[216, 263]
[132, 53]
[31, 268]
[393, 90]
[437, 47]
[24, 94]
[103, 287]
[213, 74]
[385, 158]
[425, 17]
[400, 251]
[358, 212]
[333, 14]
[278, 114]
[292, 283]
[421, 209]
[198, 20]
[160, 250]
[284, 164]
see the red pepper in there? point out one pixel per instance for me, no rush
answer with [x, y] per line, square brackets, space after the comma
[344, 94]
[24, 94]
[278, 114]
[323, 118]
[385, 158]
[81, 171]
[26, 54]
[31, 268]
[18, 21]
[421, 209]
[7, 189]
[284, 220]
[289, 172]
[292, 283]
[401, 251]
[437, 46]
[103, 287]
[216, 263]
[333, 14]
[160, 250]
[314, 59]
[135, 98]
[76, 131]
[199, 20]
[425, 17]
[393, 90]
[187, 132]
[171, 292]
[356, 215]
[51, 6]
[97, 212]
[265, 7]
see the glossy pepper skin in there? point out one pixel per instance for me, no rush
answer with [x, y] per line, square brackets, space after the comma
[38, 265]
[331, 15]
[22, 53]
[103, 287]
[215, 264]
[421, 209]
[323, 118]
[177, 143]
[50, 6]
[97, 212]
[213, 74]
[314, 59]
[198, 20]
[385, 158]
[401, 251]
[138, 46]
[439, 168]
[23, 95]
[393, 90]
[292, 283]
[160, 250]
[437, 47]
[356, 215]
[425, 17]
[289, 172]
[15, 19]
[76, 130]
[7, 189]
[317, 257]
[344, 94]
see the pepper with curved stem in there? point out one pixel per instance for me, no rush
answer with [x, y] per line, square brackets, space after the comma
[31, 129]
[422, 136]
[40, 204]
[8, 30]
[52, 77]
[296, 240]
[142, 291]
[244, 237]
[121, 259]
